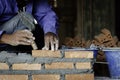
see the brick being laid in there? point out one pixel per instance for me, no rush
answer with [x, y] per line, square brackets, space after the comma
[46, 53]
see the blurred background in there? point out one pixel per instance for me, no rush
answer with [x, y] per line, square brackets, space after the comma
[85, 18]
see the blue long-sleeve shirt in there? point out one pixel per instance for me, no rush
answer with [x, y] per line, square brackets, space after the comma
[40, 9]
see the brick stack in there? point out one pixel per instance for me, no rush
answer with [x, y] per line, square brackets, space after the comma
[47, 65]
[103, 39]
[76, 42]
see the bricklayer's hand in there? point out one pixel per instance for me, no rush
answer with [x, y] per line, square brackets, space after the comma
[20, 37]
[51, 42]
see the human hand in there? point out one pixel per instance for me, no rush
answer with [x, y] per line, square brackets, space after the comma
[51, 42]
[20, 37]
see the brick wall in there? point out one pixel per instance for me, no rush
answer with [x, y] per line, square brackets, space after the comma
[47, 65]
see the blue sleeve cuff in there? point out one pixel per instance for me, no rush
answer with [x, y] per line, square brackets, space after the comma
[50, 29]
[1, 33]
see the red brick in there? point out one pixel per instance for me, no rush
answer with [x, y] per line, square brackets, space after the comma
[46, 53]
[79, 77]
[26, 66]
[13, 77]
[4, 66]
[46, 77]
[83, 65]
[79, 54]
[60, 65]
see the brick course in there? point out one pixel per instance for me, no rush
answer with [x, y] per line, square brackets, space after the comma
[47, 65]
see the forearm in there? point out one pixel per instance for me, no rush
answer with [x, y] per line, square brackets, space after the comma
[45, 16]
[50, 23]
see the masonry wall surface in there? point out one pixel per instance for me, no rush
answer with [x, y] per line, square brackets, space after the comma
[47, 65]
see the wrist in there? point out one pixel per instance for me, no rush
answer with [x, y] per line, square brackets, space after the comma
[4, 38]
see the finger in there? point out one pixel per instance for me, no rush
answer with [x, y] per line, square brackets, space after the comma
[15, 43]
[47, 41]
[52, 44]
[57, 45]
[28, 34]
[26, 40]
[44, 48]
[24, 43]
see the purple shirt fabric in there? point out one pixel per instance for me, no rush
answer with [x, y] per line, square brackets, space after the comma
[40, 9]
